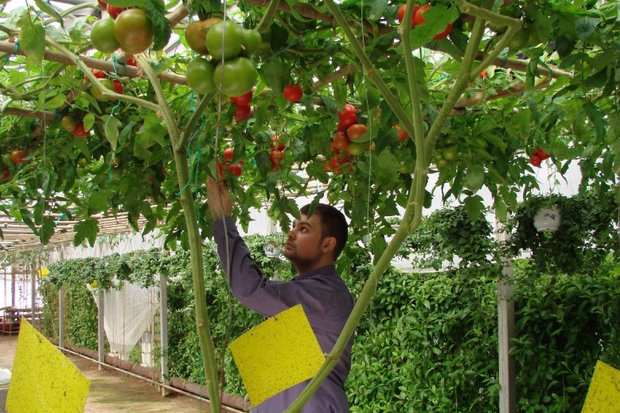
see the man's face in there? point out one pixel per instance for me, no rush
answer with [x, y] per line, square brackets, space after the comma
[304, 242]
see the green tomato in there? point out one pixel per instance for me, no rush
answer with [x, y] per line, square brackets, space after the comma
[134, 31]
[199, 75]
[224, 39]
[236, 76]
[450, 153]
[98, 93]
[251, 41]
[519, 40]
[102, 36]
[6, 159]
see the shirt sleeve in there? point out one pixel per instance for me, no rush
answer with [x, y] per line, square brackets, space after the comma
[247, 283]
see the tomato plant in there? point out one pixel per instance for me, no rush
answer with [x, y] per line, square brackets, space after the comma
[243, 100]
[224, 39]
[292, 93]
[199, 75]
[196, 34]
[18, 155]
[236, 76]
[133, 31]
[102, 36]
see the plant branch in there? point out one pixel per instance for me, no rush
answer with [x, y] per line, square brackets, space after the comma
[268, 16]
[192, 122]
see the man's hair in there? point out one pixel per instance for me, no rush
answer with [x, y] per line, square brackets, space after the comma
[333, 224]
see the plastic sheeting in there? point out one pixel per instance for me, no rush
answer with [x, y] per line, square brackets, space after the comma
[128, 312]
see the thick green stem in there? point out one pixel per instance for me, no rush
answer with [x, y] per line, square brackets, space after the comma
[195, 243]
[189, 129]
[268, 16]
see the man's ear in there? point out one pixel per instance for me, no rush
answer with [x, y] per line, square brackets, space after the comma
[329, 244]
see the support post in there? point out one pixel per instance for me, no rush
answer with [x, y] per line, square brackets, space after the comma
[100, 332]
[61, 319]
[163, 332]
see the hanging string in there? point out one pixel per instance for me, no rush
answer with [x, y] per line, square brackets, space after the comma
[116, 63]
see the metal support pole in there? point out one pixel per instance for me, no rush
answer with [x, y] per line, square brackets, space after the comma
[163, 321]
[100, 331]
[61, 319]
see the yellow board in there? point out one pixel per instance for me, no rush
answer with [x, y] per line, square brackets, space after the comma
[44, 380]
[278, 353]
[604, 392]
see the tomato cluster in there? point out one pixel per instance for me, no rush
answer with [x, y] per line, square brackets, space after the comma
[242, 105]
[276, 155]
[234, 168]
[228, 45]
[130, 29]
[446, 152]
[9, 161]
[538, 156]
[343, 144]
[417, 18]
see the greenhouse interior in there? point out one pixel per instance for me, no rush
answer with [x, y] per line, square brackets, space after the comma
[311, 206]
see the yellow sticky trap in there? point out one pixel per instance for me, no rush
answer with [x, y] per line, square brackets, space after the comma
[43, 379]
[279, 353]
[604, 392]
[43, 272]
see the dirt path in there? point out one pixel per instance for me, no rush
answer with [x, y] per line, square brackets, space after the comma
[112, 391]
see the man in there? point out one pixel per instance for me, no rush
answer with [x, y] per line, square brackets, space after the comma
[312, 246]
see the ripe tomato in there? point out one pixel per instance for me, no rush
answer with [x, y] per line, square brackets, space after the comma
[114, 11]
[6, 174]
[134, 31]
[346, 119]
[276, 157]
[276, 144]
[229, 153]
[99, 74]
[17, 156]
[250, 41]
[103, 4]
[68, 123]
[117, 86]
[292, 93]
[541, 153]
[535, 160]
[98, 93]
[419, 19]
[242, 111]
[401, 134]
[102, 36]
[199, 75]
[196, 34]
[131, 61]
[238, 76]
[401, 14]
[356, 130]
[243, 100]
[340, 141]
[483, 74]
[235, 169]
[79, 131]
[349, 108]
[228, 47]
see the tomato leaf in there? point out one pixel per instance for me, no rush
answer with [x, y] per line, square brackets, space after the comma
[161, 25]
[386, 168]
[274, 75]
[111, 125]
[31, 38]
[47, 229]
[475, 177]
[56, 102]
[49, 9]
[474, 207]
[86, 229]
[88, 121]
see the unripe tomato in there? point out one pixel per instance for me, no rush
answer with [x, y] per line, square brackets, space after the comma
[102, 36]
[17, 156]
[134, 31]
[68, 123]
[243, 100]
[98, 93]
[292, 93]
[242, 111]
[196, 34]
[237, 76]
[449, 152]
[224, 39]
[199, 75]
[251, 41]
[356, 130]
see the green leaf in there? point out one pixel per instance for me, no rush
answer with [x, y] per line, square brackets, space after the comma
[88, 121]
[49, 9]
[31, 38]
[161, 25]
[474, 207]
[98, 201]
[56, 102]
[110, 127]
[86, 229]
[386, 168]
[475, 177]
[274, 75]
[47, 229]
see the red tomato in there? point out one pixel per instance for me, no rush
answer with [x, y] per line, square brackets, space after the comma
[401, 134]
[242, 111]
[99, 74]
[340, 141]
[276, 157]
[103, 4]
[293, 93]
[6, 174]
[118, 86]
[17, 156]
[356, 130]
[131, 61]
[483, 74]
[235, 169]
[79, 131]
[243, 100]
[535, 160]
[419, 19]
[114, 11]
[541, 154]
[346, 119]
[276, 144]
[229, 153]
[401, 14]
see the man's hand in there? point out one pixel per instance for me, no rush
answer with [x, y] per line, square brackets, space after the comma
[218, 199]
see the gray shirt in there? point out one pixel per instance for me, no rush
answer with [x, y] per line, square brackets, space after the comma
[324, 297]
